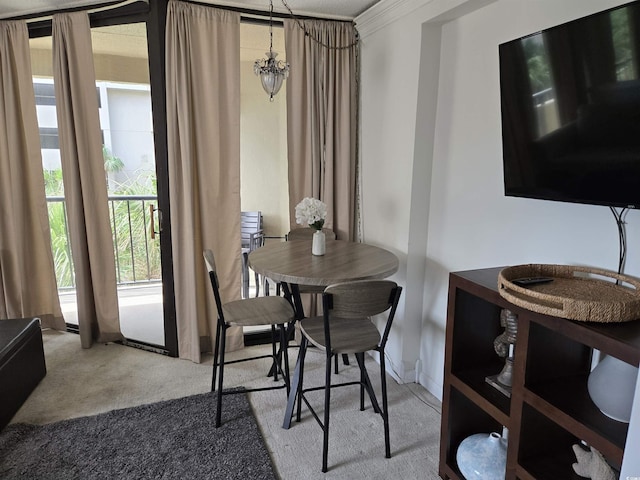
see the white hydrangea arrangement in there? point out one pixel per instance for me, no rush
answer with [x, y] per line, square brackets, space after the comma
[312, 212]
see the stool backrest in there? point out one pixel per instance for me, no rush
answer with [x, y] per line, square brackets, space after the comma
[360, 299]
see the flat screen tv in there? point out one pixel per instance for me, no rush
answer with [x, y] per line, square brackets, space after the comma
[570, 101]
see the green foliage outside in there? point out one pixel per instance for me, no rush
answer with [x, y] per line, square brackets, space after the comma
[53, 186]
[538, 60]
[60, 245]
[622, 45]
[130, 224]
[111, 162]
[537, 63]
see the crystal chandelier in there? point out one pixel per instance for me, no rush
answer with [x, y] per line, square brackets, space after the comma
[272, 72]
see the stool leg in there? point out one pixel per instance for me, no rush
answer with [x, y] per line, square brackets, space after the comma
[221, 377]
[216, 348]
[385, 406]
[257, 285]
[284, 356]
[303, 352]
[367, 382]
[245, 275]
[362, 382]
[274, 353]
[295, 387]
[327, 402]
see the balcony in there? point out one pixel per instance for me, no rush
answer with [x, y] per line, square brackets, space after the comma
[138, 270]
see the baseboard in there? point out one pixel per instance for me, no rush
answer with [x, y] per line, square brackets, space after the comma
[401, 373]
[432, 387]
[405, 372]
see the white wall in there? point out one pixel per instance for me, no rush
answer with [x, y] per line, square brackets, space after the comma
[631, 464]
[432, 162]
[263, 153]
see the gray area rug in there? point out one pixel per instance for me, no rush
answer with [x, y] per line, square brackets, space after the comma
[174, 439]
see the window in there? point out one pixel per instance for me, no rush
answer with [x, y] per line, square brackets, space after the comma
[541, 83]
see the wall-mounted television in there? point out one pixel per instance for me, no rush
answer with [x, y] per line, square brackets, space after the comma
[570, 101]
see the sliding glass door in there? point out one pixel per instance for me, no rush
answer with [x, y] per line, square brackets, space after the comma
[135, 172]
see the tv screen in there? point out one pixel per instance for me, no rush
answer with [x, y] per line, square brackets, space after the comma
[570, 101]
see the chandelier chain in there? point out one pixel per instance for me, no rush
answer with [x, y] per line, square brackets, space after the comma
[317, 40]
[272, 72]
[270, 25]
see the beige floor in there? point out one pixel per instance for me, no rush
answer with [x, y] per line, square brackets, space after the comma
[84, 382]
[140, 310]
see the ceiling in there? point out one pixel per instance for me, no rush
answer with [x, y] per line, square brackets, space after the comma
[340, 9]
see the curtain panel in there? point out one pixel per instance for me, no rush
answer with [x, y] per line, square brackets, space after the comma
[203, 135]
[27, 278]
[322, 102]
[84, 179]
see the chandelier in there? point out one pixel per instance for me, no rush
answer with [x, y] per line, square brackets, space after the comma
[272, 72]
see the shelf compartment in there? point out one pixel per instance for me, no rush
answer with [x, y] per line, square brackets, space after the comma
[551, 355]
[476, 324]
[472, 383]
[567, 403]
[552, 466]
[545, 449]
[469, 419]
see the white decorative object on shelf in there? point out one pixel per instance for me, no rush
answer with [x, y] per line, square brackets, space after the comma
[611, 386]
[483, 456]
[591, 464]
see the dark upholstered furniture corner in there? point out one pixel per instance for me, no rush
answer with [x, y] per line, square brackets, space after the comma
[22, 364]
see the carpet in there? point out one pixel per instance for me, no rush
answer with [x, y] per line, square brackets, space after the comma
[173, 439]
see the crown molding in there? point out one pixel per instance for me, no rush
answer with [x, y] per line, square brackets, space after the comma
[384, 13]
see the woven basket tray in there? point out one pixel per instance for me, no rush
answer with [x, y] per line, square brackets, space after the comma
[574, 293]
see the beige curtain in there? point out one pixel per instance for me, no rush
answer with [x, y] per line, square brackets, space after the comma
[203, 125]
[27, 279]
[84, 179]
[321, 119]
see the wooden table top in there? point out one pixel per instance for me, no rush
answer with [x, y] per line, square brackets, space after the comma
[292, 262]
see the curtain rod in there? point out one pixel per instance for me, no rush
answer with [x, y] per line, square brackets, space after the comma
[40, 22]
[261, 13]
[112, 3]
[107, 4]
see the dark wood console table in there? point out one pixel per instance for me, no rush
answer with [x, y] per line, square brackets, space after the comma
[550, 408]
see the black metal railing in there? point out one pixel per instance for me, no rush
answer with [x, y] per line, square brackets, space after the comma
[543, 96]
[137, 257]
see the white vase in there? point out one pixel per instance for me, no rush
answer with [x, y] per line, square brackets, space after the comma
[483, 456]
[611, 386]
[318, 245]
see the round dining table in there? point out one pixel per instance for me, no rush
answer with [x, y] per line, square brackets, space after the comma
[293, 264]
